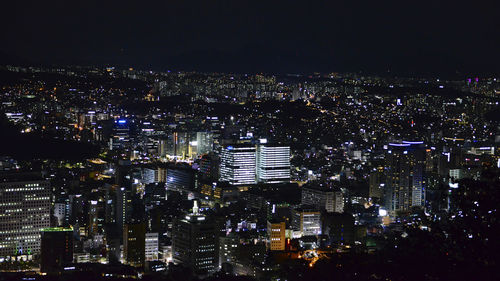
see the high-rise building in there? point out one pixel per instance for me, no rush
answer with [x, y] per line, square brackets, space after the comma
[307, 221]
[122, 207]
[194, 242]
[56, 248]
[121, 135]
[177, 145]
[152, 246]
[276, 235]
[273, 163]
[405, 182]
[238, 164]
[323, 198]
[134, 247]
[24, 212]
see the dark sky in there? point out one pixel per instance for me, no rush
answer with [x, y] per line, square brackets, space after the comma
[258, 36]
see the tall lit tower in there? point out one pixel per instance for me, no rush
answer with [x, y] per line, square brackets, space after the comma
[194, 242]
[273, 163]
[405, 182]
[238, 164]
[24, 212]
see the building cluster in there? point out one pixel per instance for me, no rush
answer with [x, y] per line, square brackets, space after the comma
[229, 173]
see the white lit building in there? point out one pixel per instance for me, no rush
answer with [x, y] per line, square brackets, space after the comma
[306, 221]
[238, 164]
[273, 164]
[151, 246]
[24, 211]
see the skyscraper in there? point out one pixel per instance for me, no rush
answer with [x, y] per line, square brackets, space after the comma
[152, 246]
[121, 135]
[273, 163]
[24, 212]
[195, 242]
[405, 182]
[238, 164]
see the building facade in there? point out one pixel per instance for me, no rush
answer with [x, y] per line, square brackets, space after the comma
[24, 212]
[238, 164]
[273, 164]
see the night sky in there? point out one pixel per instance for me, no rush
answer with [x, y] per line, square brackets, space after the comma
[405, 37]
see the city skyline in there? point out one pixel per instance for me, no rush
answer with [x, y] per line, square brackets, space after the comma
[249, 141]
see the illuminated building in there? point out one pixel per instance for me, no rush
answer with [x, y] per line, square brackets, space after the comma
[405, 183]
[151, 246]
[273, 164]
[122, 207]
[134, 247]
[228, 247]
[238, 164]
[276, 235]
[24, 212]
[121, 135]
[177, 145]
[307, 221]
[194, 242]
[323, 199]
[56, 248]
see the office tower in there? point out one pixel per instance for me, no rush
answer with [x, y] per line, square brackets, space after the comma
[122, 207]
[405, 184]
[194, 242]
[307, 221]
[56, 248]
[276, 235]
[323, 198]
[228, 248]
[238, 164]
[377, 183]
[24, 211]
[204, 142]
[273, 164]
[151, 246]
[134, 247]
[121, 135]
[177, 145]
